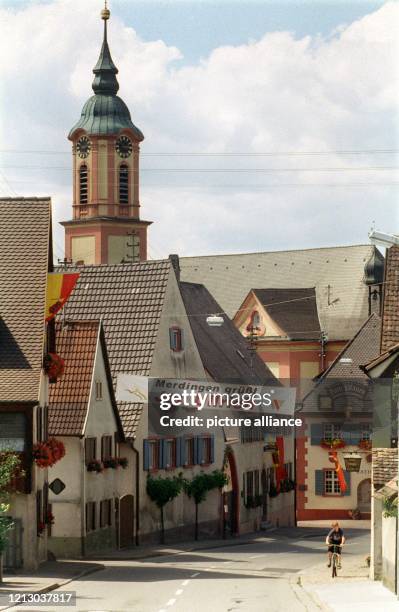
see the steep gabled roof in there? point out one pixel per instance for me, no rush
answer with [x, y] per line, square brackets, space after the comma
[363, 347]
[25, 256]
[390, 313]
[337, 273]
[294, 311]
[385, 465]
[223, 350]
[129, 299]
[69, 397]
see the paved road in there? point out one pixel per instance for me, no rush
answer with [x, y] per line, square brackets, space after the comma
[253, 577]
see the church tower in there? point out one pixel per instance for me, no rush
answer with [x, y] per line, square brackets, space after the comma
[106, 225]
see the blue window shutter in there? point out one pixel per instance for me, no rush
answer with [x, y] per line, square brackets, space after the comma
[179, 453]
[146, 455]
[348, 483]
[319, 482]
[212, 449]
[162, 453]
[316, 433]
[355, 433]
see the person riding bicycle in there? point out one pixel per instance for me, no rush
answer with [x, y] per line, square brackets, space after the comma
[335, 537]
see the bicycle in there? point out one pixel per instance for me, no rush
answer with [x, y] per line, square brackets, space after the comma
[335, 558]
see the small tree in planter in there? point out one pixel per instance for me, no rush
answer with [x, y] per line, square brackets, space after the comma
[9, 468]
[199, 487]
[161, 491]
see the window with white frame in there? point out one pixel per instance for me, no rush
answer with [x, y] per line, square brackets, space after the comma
[331, 484]
[170, 453]
[332, 431]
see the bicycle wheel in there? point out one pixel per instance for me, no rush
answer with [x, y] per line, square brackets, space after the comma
[334, 565]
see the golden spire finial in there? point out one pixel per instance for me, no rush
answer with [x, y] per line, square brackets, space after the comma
[105, 13]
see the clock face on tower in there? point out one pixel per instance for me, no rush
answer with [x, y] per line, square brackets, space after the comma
[124, 146]
[83, 147]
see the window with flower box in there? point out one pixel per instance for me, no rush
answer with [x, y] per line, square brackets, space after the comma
[170, 453]
[332, 431]
[106, 448]
[90, 450]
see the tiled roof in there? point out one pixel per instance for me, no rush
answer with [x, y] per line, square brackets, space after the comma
[390, 314]
[24, 259]
[363, 347]
[69, 396]
[385, 465]
[223, 350]
[129, 299]
[337, 273]
[294, 311]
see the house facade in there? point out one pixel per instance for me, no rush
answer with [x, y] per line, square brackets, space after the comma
[338, 418]
[25, 338]
[90, 487]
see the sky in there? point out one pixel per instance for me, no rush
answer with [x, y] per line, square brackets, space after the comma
[267, 126]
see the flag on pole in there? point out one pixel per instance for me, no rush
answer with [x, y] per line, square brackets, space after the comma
[59, 288]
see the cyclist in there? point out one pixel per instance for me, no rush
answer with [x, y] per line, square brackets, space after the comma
[335, 537]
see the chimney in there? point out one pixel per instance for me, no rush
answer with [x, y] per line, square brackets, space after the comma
[174, 260]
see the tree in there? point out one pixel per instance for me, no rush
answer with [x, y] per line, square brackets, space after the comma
[161, 491]
[199, 487]
[9, 466]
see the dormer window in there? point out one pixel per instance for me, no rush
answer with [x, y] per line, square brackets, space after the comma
[176, 339]
[124, 184]
[83, 193]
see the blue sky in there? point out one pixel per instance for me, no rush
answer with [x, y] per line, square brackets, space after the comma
[198, 27]
[304, 95]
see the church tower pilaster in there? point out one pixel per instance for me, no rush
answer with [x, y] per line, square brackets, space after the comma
[106, 225]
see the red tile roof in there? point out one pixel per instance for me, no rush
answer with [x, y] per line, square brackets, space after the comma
[129, 299]
[390, 313]
[385, 465]
[24, 259]
[69, 396]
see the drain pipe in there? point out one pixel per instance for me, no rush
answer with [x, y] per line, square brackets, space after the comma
[137, 511]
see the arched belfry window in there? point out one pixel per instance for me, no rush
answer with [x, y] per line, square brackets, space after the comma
[124, 184]
[83, 184]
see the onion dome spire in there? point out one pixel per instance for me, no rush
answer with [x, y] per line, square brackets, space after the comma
[105, 81]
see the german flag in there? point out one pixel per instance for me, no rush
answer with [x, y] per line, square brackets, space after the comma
[59, 288]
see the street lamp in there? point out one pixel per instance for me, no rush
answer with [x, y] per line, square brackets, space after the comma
[215, 320]
[383, 239]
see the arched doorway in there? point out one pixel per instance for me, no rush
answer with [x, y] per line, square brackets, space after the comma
[364, 495]
[126, 521]
[231, 496]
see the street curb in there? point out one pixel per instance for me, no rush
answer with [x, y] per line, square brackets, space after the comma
[309, 599]
[57, 585]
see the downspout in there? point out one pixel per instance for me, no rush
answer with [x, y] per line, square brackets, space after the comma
[137, 512]
[83, 498]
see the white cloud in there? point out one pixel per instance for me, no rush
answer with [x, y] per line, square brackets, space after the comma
[275, 94]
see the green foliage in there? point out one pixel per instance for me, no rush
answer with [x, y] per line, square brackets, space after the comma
[162, 490]
[202, 483]
[390, 506]
[9, 464]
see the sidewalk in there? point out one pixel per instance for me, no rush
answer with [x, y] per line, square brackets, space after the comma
[351, 591]
[50, 575]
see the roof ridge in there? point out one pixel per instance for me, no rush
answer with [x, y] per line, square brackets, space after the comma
[323, 248]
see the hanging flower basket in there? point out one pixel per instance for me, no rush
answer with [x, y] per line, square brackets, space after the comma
[40, 528]
[365, 445]
[333, 444]
[46, 454]
[54, 366]
[95, 466]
